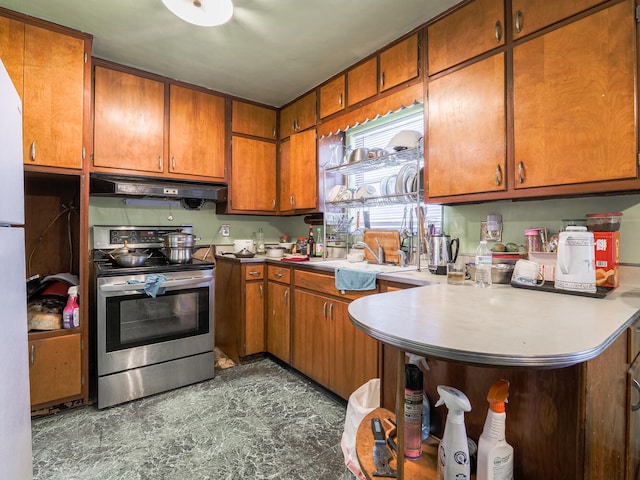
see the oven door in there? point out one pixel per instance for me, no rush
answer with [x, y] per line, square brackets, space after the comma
[136, 329]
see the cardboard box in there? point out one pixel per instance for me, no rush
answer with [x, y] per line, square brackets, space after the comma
[607, 256]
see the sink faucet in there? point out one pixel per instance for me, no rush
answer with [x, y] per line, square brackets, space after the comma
[379, 257]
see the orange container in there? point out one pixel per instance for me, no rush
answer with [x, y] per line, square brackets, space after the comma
[607, 256]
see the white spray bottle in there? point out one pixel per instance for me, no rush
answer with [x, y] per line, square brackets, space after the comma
[495, 455]
[453, 453]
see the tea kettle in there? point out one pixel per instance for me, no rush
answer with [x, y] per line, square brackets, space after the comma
[575, 269]
[440, 252]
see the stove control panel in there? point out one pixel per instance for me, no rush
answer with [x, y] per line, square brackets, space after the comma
[110, 236]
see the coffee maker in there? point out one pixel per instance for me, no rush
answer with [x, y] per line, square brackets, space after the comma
[440, 252]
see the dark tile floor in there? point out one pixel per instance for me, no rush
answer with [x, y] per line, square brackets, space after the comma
[253, 421]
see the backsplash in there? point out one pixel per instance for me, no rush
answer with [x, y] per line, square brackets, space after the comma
[464, 221]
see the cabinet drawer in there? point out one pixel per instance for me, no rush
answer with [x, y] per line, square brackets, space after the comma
[254, 272]
[322, 283]
[279, 274]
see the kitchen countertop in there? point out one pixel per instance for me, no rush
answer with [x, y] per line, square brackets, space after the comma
[499, 326]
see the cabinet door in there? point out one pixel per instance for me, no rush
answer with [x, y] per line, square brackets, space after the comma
[362, 81]
[129, 121]
[253, 120]
[253, 171]
[531, 15]
[279, 321]
[574, 102]
[470, 31]
[399, 63]
[354, 354]
[332, 97]
[254, 335]
[633, 420]
[196, 133]
[311, 331]
[12, 50]
[298, 116]
[55, 368]
[53, 98]
[467, 146]
[298, 172]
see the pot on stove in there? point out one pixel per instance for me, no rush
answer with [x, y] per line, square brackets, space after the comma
[178, 254]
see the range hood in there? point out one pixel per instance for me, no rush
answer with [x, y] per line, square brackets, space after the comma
[114, 185]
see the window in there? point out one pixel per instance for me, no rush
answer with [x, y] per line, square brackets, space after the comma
[377, 134]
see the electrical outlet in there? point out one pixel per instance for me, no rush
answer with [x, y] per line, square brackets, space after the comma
[225, 230]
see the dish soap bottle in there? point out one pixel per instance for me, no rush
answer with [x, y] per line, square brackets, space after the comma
[484, 260]
[495, 455]
[71, 311]
[453, 453]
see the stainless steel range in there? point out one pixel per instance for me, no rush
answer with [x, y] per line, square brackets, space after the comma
[154, 323]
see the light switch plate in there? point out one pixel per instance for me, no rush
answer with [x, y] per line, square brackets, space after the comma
[225, 230]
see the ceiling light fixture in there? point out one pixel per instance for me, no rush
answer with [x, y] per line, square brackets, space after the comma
[205, 13]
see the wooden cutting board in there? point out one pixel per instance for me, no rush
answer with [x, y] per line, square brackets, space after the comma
[390, 241]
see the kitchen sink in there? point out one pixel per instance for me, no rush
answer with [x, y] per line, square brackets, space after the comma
[366, 266]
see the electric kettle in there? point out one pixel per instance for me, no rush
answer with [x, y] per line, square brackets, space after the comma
[575, 268]
[440, 252]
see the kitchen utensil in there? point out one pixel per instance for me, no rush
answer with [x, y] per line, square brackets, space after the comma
[455, 273]
[576, 261]
[130, 259]
[526, 272]
[441, 252]
[604, 222]
[286, 245]
[389, 240]
[179, 239]
[404, 140]
[275, 252]
[358, 155]
[241, 244]
[178, 254]
[381, 454]
[244, 253]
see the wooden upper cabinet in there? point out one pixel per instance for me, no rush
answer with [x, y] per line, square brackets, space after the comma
[298, 172]
[466, 134]
[574, 102]
[253, 175]
[196, 133]
[362, 81]
[399, 63]
[129, 121]
[332, 97]
[250, 119]
[298, 116]
[528, 16]
[12, 50]
[53, 98]
[470, 31]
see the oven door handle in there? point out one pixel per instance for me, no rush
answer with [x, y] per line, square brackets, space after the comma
[132, 287]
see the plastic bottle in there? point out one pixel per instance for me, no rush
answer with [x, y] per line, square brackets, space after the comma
[311, 244]
[71, 311]
[495, 455]
[421, 362]
[453, 453]
[484, 259]
[413, 397]
[319, 243]
[260, 241]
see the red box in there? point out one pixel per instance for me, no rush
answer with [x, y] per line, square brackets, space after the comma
[607, 255]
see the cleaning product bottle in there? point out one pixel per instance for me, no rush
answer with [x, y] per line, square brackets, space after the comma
[495, 455]
[319, 243]
[413, 394]
[71, 311]
[483, 261]
[453, 453]
[422, 363]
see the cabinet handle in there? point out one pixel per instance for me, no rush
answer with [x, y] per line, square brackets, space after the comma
[636, 406]
[173, 163]
[261, 290]
[382, 80]
[279, 275]
[274, 132]
[324, 309]
[297, 124]
[331, 311]
[33, 151]
[291, 200]
[253, 272]
[340, 100]
[498, 31]
[274, 203]
[518, 21]
[32, 354]
[160, 163]
[286, 297]
[498, 176]
[521, 173]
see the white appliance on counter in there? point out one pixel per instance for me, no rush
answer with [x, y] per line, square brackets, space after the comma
[15, 421]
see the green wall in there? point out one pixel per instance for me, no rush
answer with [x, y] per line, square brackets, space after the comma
[464, 221]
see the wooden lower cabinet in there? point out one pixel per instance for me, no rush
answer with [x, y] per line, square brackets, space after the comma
[633, 423]
[55, 368]
[327, 347]
[279, 321]
[254, 313]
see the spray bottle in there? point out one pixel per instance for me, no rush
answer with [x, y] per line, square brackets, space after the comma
[71, 311]
[495, 455]
[453, 454]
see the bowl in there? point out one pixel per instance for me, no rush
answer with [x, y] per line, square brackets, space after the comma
[287, 246]
[604, 222]
[500, 272]
[275, 252]
[355, 257]
[358, 155]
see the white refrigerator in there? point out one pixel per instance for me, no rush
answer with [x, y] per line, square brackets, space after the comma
[15, 419]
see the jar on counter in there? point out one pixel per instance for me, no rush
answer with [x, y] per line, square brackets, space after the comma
[301, 245]
[533, 239]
